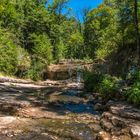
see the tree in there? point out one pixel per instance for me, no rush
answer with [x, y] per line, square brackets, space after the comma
[75, 46]
[8, 52]
[60, 50]
[137, 29]
[42, 49]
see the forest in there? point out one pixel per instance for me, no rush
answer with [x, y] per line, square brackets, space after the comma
[35, 34]
[68, 78]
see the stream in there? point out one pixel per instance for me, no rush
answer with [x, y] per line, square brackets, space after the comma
[58, 110]
[54, 113]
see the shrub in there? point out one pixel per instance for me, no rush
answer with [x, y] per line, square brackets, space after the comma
[60, 51]
[92, 81]
[41, 56]
[36, 70]
[42, 49]
[8, 53]
[102, 83]
[135, 75]
[109, 85]
[133, 93]
[24, 62]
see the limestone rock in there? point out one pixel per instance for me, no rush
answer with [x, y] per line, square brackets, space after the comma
[6, 120]
[103, 136]
[98, 107]
[106, 125]
[125, 110]
[135, 131]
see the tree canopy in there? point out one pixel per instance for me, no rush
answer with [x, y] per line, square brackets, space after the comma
[46, 34]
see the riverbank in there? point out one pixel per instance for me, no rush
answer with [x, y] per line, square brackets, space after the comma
[55, 110]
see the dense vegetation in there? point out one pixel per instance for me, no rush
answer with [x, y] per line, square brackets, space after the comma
[35, 33]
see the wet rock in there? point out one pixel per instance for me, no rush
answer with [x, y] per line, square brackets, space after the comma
[125, 110]
[96, 95]
[96, 127]
[103, 136]
[115, 120]
[135, 131]
[90, 98]
[98, 107]
[118, 122]
[121, 119]
[66, 70]
[109, 103]
[106, 125]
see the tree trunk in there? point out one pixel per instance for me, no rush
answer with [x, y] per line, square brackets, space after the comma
[137, 29]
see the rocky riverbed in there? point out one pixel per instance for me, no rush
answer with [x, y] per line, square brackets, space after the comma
[57, 110]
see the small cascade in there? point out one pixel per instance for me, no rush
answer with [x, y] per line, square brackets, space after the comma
[79, 75]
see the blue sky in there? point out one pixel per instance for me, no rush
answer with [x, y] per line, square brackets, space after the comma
[78, 5]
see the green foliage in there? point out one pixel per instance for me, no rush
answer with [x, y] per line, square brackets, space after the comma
[110, 28]
[8, 53]
[135, 75]
[41, 56]
[108, 85]
[24, 60]
[105, 84]
[133, 93]
[48, 34]
[36, 71]
[75, 45]
[42, 48]
[92, 81]
[43, 32]
[60, 50]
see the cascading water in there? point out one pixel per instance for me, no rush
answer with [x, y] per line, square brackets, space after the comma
[75, 68]
[79, 75]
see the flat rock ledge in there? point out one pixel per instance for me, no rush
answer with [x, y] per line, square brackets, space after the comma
[121, 119]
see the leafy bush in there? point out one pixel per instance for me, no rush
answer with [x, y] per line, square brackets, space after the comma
[60, 51]
[41, 56]
[42, 49]
[36, 70]
[92, 81]
[8, 53]
[24, 62]
[135, 75]
[102, 83]
[133, 93]
[108, 85]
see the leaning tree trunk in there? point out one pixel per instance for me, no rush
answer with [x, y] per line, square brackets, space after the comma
[137, 29]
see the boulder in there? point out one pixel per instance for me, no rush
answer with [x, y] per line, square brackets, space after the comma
[98, 107]
[126, 111]
[66, 70]
[106, 125]
[135, 131]
[103, 136]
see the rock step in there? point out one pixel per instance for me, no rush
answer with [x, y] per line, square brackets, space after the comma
[121, 119]
[124, 110]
